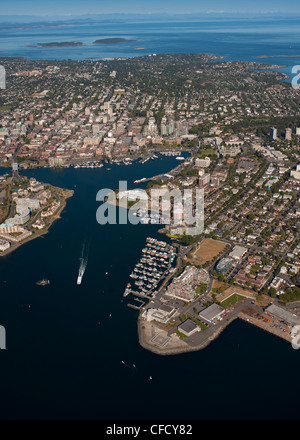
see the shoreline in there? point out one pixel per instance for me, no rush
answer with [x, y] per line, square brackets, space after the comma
[181, 349]
[67, 194]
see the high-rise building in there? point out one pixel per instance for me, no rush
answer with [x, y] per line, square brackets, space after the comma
[273, 133]
[204, 180]
[215, 181]
[288, 134]
[163, 126]
[152, 127]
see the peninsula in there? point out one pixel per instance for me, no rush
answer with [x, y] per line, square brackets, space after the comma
[28, 209]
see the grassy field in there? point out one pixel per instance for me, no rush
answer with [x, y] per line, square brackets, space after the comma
[207, 250]
[206, 152]
[233, 299]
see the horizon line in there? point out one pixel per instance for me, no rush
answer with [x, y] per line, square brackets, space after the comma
[209, 12]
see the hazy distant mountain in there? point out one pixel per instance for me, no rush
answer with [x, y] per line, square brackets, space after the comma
[34, 19]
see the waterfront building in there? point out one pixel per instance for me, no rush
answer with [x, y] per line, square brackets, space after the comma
[283, 314]
[51, 210]
[188, 327]
[23, 210]
[162, 314]
[4, 244]
[212, 312]
[39, 224]
[184, 285]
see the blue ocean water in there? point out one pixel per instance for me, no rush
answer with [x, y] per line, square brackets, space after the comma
[243, 39]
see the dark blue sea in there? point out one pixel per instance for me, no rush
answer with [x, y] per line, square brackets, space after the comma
[245, 39]
[66, 343]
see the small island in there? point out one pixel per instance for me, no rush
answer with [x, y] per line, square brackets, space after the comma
[113, 41]
[62, 44]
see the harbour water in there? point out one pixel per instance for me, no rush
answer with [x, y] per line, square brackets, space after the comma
[73, 351]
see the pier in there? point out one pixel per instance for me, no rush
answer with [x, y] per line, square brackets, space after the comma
[152, 268]
[133, 306]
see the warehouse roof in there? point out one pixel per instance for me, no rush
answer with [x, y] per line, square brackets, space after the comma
[188, 326]
[281, 313]
[211, 312]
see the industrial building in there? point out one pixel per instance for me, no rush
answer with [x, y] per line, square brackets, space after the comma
[238, 252]
[285, 315]
[188, 327]
[211, 313]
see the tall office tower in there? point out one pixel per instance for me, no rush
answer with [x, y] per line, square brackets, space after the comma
[288, 134]
[163, 127]
[273, 134]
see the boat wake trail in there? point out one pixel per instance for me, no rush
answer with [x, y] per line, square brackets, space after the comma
[131, 367]
[83, 261]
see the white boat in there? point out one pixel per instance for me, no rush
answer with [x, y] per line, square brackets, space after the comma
[79, 279]
[180, 158]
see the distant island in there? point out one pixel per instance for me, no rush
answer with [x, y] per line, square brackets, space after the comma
[63, 44]
[113, 41]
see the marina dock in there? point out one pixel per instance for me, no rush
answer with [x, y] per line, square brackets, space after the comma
[133, 306]
[151, 269]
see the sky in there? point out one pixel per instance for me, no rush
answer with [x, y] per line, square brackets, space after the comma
[78, 7]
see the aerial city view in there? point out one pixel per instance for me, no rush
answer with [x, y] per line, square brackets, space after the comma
[149, 211]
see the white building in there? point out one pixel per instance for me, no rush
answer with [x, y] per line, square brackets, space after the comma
[202, 163]
[238, 252]
[4, 244]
